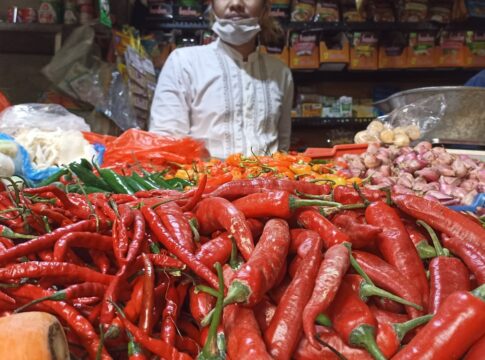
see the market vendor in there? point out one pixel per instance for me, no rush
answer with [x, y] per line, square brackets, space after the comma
[227, 93]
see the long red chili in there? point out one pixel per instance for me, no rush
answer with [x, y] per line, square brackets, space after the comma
[244, 340]
[361, 234]
[264, 312]
[396, 246]
[68, 272]
[216, 250]
[101, 260]
[133, 306]
[330, 274]
[81, 239]
[387, 277]
[284, 330]
[177, 224]
[446, 274]
[200, 304]
[45, 241]
[457, 324]
[136, 243]
[348, 195]
[187, 257]
[425, 250]
[311, 219]
[146, 319]
[197, 195]
[76, 322]
[168, 330]
[216, 213]
[260, 272]
[476, 351]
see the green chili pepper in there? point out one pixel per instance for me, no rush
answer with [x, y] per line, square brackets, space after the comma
[115, 181]
[88, 178]
[76, 188]
[87, 165]
[145, 182]
[134, 185]
[54, 177]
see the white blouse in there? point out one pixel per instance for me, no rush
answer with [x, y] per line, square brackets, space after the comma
[209, 93]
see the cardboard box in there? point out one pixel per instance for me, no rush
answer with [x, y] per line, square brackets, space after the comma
[475, 49]
[304, 52]
[422, 50]
[334, 49]
[364, 51]
[393, 51]
[451, 51]
[279, 53]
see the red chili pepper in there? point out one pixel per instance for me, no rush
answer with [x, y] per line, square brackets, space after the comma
[476, 351]
[311, 219]
[169, 318]
[260, 272]
[177, 224]
[388, 305]
[280, 204]
[348, 195]
[425, 250]
[452, 331]
[189, 329]
[45, 241]
[446, 274]
[330, 274]
[66, 313]
[146, 320]
[284, 330]
[188, 345]
[43, 210]
[197, 195]
[353, 320]
[133, 306]
[264, 312]
[471, 253]
[139, 228]
[361, 235]
[6, 298]
[162, 260]
[111, 295]
[294, 266]
[277, 292]
[216, 250]
[68, 272]
[101, 260]
[81, 239]
[135, 352]
[387, 316]
[200, 304]
[388, 278]
[216, 213]
[188, 258]
[244, 340]
[396, 246]
[238, 188]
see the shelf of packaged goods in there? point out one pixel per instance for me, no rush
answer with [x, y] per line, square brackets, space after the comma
[327, 123]
[32, 28]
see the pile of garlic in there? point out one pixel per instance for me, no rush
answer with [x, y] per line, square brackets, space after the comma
[377, 132]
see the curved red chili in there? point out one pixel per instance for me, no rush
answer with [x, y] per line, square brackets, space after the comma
[177, 224]
[361, 234]
[81, 239]
[169, 317]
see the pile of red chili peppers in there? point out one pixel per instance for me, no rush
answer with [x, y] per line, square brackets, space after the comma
[252, 269]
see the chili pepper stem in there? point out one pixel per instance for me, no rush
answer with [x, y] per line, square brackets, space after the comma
[364, 336]
[57, 296]
[9, 234]
[296, 203]
[207, 290]
[331, 348]
[323, 320]
[479, 292]
[234, 260]
[316, 197]
[356, 265]
[403, 328]
[434, 238]
[367, 290]
[361, 195]
[425, 250]
[195, 231]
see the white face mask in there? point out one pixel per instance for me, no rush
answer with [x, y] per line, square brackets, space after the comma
[236, 32]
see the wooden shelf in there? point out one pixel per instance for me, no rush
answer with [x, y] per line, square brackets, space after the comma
[32, 28]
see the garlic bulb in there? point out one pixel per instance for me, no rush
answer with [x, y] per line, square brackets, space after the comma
[387, 136]
[413, 132]
[401, 140]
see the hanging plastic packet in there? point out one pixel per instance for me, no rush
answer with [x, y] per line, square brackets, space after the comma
[104, 13]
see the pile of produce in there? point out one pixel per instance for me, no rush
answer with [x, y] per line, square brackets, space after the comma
[264, 268]
[424, 170]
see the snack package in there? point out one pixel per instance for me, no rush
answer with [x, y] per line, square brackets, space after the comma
[278, 50]
[440, 11]
[104, 13]
[381, 11]
[393, 51]
[327, 11]
[475, 49]
[303, 10]
[334, 51]
[304, 52]
[422, 50]
[451, 51]
[189, 9]
[350, 12]
[280, 9]
[413, 10]
[364, 51]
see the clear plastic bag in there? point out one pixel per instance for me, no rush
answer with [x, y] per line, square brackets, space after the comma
[41, 116]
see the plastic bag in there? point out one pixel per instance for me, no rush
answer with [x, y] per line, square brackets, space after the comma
[41, 116]
[145, 148]
[425, 114]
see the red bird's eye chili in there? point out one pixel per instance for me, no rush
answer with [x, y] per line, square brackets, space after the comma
[68, 272]
[353, 320]
[330, 274]
[146, 320]
[45, 241]
[425, 250]
[283, 333]
[446, 274]
[216, 213]
[361, 235]
[388, 278]
[169, 316]
[455, 327]
[260, 272]
[274, 204]
[180, 252]
[396, 246]
[244, 340]
[81, 239]
[311, 219]
[177, 224]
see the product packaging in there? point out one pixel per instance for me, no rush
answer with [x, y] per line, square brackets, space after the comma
[451, 51]
[327, 11]
[475, 49]
[364, 51]
[303, 10]
[334, 51]
[50, 12]
[393, 51]
[304, 52]
[422, 50]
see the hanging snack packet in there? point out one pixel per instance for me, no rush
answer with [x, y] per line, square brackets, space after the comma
[104, 13]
